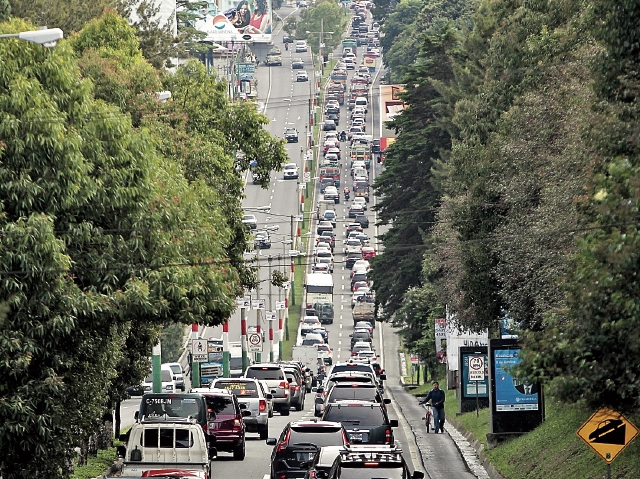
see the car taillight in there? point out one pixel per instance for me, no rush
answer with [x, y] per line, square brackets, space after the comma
[237, 424]
[263, 405]
[284, 384]
[285, 442]
[387, 436]
[345, 438]
[295, 388]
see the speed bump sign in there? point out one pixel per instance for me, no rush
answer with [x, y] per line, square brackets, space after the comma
[607, 432]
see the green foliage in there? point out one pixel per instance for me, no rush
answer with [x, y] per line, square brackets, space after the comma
[5, 10]
[407, 195]
[325, 16]
[172, 341]
[69, 15]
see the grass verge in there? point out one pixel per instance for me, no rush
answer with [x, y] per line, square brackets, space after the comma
[96, 466]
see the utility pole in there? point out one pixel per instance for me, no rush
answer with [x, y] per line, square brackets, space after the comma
[258, 354]
[243, 338]
[156, 366]
[195, 366]
[320, 49]
[270, 258]
[225, 349]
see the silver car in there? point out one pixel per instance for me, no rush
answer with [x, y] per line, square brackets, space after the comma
[250, 393]
[276, 379]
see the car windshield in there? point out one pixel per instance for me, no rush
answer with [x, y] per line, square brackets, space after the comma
[356, 415]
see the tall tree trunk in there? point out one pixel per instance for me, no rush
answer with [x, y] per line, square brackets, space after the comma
[117, 419]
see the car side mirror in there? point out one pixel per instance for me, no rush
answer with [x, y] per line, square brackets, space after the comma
[121, 451]
[383, 377]
[269, 396]
[393, 423]
[272, 441]
[246, 413]
[320, 390]
[135, 415]
[387, 401]
[417, 475]
[273, 391]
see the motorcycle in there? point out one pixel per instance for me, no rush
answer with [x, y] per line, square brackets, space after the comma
[346, 195]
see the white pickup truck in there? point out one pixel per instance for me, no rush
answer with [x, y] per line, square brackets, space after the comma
[165, 444]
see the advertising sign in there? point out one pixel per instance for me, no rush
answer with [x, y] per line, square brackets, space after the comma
[369, 61]
[441, 340]
[511, 394]
[390, 101]
[457, 339]
[235, 21]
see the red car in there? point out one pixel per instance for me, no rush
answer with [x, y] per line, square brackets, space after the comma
[368, 253]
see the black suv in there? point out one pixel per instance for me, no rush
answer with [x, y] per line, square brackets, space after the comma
[356, 462]
[298, 445]
[363, 220]
[352, 258]
[365, 422]
[360, 336]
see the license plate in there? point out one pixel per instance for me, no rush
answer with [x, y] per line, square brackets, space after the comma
[304, 456]
[355, 437]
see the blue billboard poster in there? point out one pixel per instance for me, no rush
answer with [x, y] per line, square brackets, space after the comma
[511, 394]
[469, 387]
[235, 20]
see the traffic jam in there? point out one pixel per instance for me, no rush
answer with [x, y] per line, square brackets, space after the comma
[331, 395]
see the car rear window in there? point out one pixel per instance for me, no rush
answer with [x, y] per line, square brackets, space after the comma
[361, 392]
[171, 405]
[265, 373]
[239, 388]
[339, 368]
[165, 439]
[220, 405]
[320, 436]
[355, 415]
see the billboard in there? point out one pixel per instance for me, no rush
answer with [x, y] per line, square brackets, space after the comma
[511, 394]
[390, 102]
[441, 340]
[235, 20]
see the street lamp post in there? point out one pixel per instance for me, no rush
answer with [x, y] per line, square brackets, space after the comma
[47, 37]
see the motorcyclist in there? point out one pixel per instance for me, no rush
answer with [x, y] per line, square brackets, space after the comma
[286, 46]
[346, 193]
[343, 135]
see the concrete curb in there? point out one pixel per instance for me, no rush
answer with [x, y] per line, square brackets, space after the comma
[478, 447]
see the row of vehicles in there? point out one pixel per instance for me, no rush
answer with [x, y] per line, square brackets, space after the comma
[188, 430]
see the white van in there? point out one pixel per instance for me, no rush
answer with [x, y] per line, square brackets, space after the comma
[168, 384]
[362, 101]
[178, 374]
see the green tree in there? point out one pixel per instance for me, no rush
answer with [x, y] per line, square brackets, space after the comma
[326, 16]
[69, 15]
[596, 339]
[408, 198]
[73, 178]
[5, 10]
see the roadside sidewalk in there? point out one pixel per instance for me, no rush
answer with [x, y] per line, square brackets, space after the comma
[444, 456]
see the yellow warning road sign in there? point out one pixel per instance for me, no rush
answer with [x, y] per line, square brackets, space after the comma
[607, 432]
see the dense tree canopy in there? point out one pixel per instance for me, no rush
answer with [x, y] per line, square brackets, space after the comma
[534, 203]
[118, 214]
